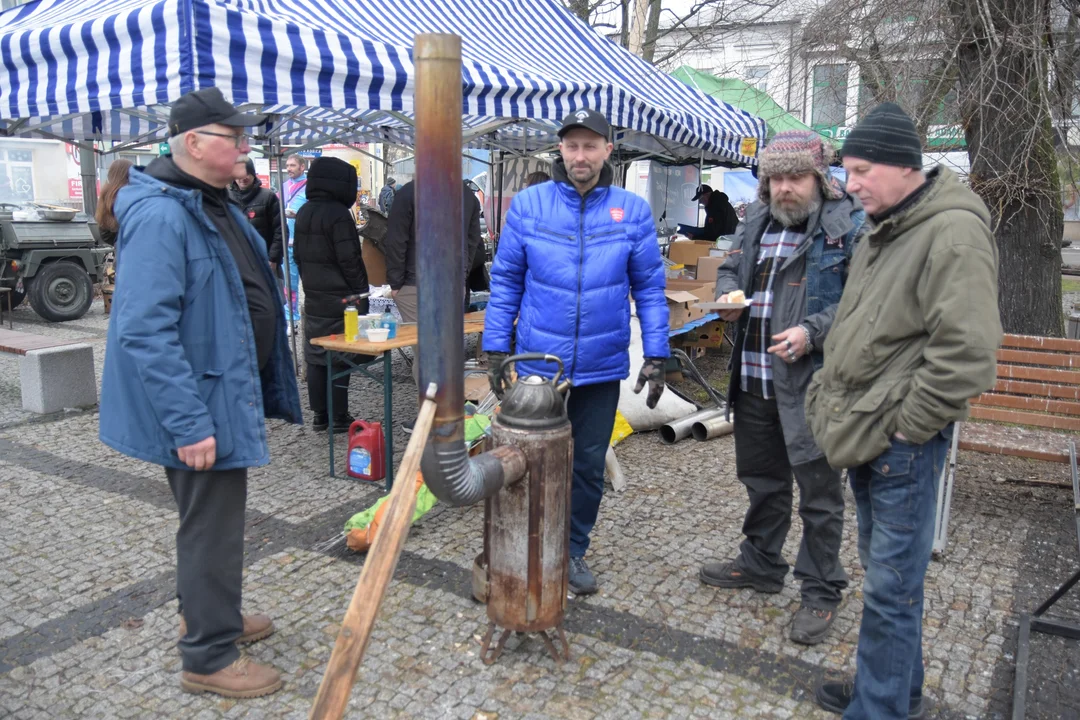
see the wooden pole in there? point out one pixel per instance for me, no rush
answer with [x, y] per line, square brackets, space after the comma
[382, 559]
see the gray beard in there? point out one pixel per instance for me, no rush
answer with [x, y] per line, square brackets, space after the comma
[797, 216]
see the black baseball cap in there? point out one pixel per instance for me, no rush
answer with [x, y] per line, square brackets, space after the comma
[588, 119]
[701, 190]
[208, 106]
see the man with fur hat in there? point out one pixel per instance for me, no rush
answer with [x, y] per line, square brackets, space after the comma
[790, 259]
[913, 339]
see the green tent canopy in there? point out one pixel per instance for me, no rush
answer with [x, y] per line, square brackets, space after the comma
[743, 96]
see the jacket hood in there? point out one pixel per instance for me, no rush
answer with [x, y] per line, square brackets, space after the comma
[558, 174]
[143, 185]
[944, 192]
[332, 179]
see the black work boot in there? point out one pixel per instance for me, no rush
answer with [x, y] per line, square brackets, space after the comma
[319, 422]
[729, 575]
[836, 696]
[811, 625]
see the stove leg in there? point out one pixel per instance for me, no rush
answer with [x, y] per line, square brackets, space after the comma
[490, 658]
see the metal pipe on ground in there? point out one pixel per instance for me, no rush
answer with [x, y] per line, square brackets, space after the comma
[682, 428]
[713, 427]
[448, 471]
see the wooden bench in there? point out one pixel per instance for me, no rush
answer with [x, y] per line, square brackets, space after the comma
[1029, 412]
[54, 374]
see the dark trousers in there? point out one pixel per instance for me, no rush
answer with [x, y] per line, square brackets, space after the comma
[209, 564]
[316, 388]
[761, 462]
[591, 409]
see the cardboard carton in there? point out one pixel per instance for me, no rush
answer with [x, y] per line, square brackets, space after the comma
[687, 252]
[682, 296]
[707, 267]
[709, 335]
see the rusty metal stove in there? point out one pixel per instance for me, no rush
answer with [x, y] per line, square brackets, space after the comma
[527, 523]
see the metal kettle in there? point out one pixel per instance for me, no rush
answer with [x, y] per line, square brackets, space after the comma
[533, 401]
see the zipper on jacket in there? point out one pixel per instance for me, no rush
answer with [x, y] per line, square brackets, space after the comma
[580, 271]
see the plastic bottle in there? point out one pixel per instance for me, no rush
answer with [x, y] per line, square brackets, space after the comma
[389, 321]
[352, 324]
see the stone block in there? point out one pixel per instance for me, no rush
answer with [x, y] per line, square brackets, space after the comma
[56, 378]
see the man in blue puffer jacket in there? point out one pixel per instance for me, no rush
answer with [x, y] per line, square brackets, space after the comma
[572, 252]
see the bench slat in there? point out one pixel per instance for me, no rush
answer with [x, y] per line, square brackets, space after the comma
[20, 343]
[1059, 377]
[1033, 342]
[1031, 389]
[1053, 422]
[1028, 357]
[1032, 404]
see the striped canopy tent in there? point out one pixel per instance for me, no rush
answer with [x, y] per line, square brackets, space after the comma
[341, 71]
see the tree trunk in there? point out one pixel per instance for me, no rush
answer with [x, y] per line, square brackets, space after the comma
[652, 30]
[1003, 68]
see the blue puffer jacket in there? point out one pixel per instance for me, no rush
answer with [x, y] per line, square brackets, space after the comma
[180, 362]
[565, 269]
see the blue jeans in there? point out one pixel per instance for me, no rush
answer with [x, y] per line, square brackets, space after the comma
[896, 503]
[292, 312]
[591, 409]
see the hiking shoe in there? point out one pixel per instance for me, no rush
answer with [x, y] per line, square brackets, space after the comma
[582, 581]
[811, 625]
[242, 679]
[728, 575]
[256, 627]
[836, 696]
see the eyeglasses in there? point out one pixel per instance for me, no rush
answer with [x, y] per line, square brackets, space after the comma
[239, 140]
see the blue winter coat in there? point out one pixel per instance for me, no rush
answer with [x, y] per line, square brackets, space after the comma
[565, 269]
[180, 362]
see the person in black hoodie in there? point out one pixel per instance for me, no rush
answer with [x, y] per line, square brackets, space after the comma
[326, 249]
[262, 209]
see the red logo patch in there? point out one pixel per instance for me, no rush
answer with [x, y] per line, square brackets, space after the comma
[251, 214]
[617, 214]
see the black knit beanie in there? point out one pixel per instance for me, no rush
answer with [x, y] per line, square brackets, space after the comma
[887, 136]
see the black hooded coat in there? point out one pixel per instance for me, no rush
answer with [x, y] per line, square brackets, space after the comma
[327, 251]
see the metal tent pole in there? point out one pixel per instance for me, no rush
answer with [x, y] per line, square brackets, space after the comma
[277, 153]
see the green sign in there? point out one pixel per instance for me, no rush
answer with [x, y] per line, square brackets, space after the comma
[938, 137]
[163, 148]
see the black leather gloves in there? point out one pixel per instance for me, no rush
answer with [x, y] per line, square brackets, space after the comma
[495, 361]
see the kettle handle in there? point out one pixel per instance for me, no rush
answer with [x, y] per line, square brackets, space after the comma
[499, 374]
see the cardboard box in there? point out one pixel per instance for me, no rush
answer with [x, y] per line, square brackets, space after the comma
[687, 252]
[707, 267]
[682, 296]
[709, 335]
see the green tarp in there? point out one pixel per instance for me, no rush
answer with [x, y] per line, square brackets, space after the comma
[743, 96]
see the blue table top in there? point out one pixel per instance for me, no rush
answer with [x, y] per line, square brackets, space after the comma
[694, 324]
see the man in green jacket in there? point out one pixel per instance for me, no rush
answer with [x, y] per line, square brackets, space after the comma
[914, 339]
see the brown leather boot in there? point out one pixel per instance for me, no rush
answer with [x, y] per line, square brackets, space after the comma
[242, 679]
[256, 627]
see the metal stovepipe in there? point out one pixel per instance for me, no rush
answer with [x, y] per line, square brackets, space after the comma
[448, 471]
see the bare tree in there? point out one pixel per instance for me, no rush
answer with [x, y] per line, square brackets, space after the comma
[996, 63]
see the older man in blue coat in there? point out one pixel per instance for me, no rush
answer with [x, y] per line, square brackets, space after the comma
[572, 252]
[196, 358]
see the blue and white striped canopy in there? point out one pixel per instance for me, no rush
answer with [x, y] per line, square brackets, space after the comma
[341, 70]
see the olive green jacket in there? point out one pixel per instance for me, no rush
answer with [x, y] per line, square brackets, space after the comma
[917, 330]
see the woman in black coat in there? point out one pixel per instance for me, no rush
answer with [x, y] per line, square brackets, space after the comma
[327, 251]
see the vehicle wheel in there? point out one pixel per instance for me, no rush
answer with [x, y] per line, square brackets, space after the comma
[61, 291]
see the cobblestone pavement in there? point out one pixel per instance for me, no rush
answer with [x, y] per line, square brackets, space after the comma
[88, 624]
